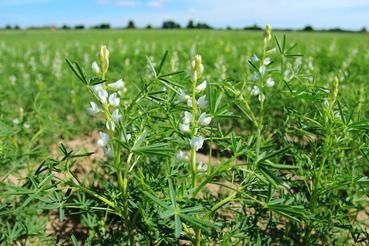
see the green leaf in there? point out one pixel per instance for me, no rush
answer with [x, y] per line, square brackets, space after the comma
[278, 166]
[178, 226]
[199, 223]
[172, 193]
[158, 70]
[161, 149]
[76, 69]
[156, 200]
[274, 153]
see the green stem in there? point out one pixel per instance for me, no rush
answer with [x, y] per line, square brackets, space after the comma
[123, 185]
[193, 167]
[193, 133]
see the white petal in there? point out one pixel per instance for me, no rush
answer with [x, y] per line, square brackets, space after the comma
[267, 61]
[270, 82]
[184, 127]
[125, 138]
[202, 102]
[110, 125]
[203, 120]
[187, 117]
[189, 102]
[255, 76]
[182, 96]
[201, 87]
[262, 69]
[108, 151]
[104, 139]
[102, 95]
[254, 58]
[114, 100]
[202, 167]
[181, 156]
[95, 67]
[116, 116]
[196, 143]
[118, 85]
[93, 109]
[255, 90]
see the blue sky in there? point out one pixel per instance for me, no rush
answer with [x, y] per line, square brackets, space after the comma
[351, 14]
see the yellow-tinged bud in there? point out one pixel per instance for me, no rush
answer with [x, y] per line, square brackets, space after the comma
[333, 92]
[267, 34]
[197, 68]
[104, 60]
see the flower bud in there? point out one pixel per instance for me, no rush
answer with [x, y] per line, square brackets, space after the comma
[104, 59]
[267, 34]
[197, 68]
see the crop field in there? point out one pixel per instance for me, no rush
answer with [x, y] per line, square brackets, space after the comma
[184, 137]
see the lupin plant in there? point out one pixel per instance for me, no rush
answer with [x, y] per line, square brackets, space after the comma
[260, 152]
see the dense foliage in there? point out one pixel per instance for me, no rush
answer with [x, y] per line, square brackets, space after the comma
[199, 137]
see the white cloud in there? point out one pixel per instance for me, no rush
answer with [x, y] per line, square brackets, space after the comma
[21, 2]
[155, 4]
[128, 3]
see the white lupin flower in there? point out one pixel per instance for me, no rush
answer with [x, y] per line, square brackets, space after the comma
[267, 61]
[255, 76]
[102, 94]
[261, 97]
[202, 167]
[182, 96]
[95, 67]
[118, 85]
[116, 116]
[201, 87]
[110, 125]
[270, 82]
[184, 127]
[181, 156]
[255, 90]
[203, 120]
[26, 125]
[196, 143]
[325, 103]
[93, 109]
[126, 137]
[187, 118]
[262, 69]
[97, 88]
[202, 102]
[189, 102]
[16, 121]
[104, 139]
[108, 151]
[254, 58]
[271, 51]
[114, 100]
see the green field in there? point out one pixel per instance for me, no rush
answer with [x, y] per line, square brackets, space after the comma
[287, 162]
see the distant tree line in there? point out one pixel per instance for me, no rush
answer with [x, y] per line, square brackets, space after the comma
[171, 24]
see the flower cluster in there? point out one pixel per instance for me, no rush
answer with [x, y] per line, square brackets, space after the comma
[263, 63]
[193, 121]
[108, 101]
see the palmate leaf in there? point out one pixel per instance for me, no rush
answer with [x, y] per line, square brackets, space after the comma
[161, 149]
[202, 224]
[293, 212]
[181, 214]
[77, 70]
